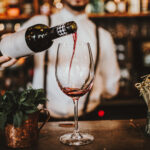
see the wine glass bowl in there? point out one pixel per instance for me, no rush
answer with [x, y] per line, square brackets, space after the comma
[74, 72]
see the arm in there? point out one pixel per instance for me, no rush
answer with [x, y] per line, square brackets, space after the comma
[109, 70]
[6, 61]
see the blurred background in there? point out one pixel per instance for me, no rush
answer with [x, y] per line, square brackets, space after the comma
[129, 23]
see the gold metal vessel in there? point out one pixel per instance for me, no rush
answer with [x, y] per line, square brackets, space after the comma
[26, 135]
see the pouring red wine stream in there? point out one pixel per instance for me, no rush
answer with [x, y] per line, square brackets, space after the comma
[74, 35]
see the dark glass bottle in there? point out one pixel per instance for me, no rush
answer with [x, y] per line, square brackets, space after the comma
[39, 37]
[34, 39]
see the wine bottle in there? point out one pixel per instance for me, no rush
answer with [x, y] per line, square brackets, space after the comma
[34, 39]
[134, 6]
[110, 6]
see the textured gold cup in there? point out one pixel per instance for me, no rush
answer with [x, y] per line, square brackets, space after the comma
[26, 135]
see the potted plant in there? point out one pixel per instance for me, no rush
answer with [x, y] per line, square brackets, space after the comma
[144, 88]
[19, 116]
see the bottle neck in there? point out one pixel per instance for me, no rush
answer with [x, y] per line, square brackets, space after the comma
[62, 30]
[56, 32]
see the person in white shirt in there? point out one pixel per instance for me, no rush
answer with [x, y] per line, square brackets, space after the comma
[107, 75]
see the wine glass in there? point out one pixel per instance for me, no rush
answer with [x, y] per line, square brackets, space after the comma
[74, 72]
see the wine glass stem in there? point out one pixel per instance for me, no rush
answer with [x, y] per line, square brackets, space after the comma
[76, 115]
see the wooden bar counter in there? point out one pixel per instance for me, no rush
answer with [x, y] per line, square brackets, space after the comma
[109, 135]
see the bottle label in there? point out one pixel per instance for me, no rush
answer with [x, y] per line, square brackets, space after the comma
[61, 30]
[14, 45]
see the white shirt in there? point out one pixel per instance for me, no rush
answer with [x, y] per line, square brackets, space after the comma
[107, 74]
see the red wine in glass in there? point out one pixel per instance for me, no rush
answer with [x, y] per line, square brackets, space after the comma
[76, 92]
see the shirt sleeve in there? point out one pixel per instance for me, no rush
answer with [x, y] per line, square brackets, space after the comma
[109, 68]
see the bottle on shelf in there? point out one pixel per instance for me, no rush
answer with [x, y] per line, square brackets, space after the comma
[2, 7]
[34, 39]
[27, 7]
[97, 6]
[144, 5]
[110, 6]
[134, 6]
[45, 8]
[13, 9]
[121, 6]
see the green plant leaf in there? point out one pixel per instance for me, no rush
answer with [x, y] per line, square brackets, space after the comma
[22, 99]
[16, 105]
[30, 111]
[18, 119]
[27, 104]
[3, 119]
[25, 117]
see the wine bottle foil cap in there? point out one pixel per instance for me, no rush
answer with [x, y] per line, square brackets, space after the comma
[71, 27]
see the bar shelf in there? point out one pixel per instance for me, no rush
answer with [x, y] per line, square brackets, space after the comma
[118, 15]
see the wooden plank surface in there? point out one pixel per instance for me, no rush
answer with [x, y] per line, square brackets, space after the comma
[109, 135]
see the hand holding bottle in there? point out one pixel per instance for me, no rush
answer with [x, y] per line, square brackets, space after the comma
[6, 61]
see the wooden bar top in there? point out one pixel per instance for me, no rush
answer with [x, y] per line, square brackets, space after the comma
[109, 135]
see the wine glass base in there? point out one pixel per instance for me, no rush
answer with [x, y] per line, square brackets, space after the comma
[83, 139]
